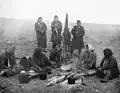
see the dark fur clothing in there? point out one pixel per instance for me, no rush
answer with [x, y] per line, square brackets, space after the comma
[25, 62]
[55, 54]
[39, 60]
[109, 63]
[4, 60]
[77, 41]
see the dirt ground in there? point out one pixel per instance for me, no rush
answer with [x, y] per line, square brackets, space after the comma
[37, 86]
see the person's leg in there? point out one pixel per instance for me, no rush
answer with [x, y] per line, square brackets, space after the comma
[99, 73]
[47, 69]
[107, 77]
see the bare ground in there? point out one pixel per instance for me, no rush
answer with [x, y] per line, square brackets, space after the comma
[38, 86]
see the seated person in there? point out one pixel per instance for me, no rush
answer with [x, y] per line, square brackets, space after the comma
[40, 62]
[55, 54]
[88, 57]
[108, 68]
[25, 63]
[7, 61]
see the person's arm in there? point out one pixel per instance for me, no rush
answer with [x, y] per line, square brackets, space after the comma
[52, 26]
[73, 30]
[111, 64]
[47, 61]
[82, 31]
[45, 27]
[81, 57]
[60, 26]
[14, 60]
[2, 62]
[94, 59]
[37, 28]
[34, 64]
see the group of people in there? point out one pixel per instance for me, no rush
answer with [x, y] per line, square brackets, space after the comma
[57, 37]
[107, 70]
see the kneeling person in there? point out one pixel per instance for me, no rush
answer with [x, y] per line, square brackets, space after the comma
[108, 68]
[40, 62]
[88, 57]
[55, 54]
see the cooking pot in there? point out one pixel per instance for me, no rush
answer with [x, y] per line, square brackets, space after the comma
[42, 75]
[66, 68]
[71, 80]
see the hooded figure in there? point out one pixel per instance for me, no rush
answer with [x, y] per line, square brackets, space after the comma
[41, 29]
[108, 68]
[88, 57]
[78, 32]
[39, 61]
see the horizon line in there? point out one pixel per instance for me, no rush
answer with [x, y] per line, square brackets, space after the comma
[62, 22]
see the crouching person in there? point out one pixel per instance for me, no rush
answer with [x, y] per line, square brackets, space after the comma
[108, 68]
[55, 54]
[8, 62]
[40, 62]
[88, 57]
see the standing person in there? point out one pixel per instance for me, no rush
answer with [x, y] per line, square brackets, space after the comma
[56, 28]
[41, 29]
[78, 32]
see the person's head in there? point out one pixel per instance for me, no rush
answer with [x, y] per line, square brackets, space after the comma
[55, 18]
[89, 48]
[37, 51]
[40, 19]
[78, 23]
[11, 50]
[107, 52]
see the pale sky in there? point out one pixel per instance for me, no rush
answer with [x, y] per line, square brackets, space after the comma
[91, 11]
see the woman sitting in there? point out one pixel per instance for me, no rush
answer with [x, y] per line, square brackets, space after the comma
[40, 62]
[108, 68]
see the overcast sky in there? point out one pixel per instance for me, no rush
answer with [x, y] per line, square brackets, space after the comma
[91, 11]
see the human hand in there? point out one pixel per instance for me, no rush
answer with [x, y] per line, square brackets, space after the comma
[99, 68]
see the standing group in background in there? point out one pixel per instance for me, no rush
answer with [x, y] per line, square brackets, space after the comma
[77, 31]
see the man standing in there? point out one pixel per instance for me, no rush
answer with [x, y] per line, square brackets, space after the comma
[41, 29]
[78, 32]
[56, 28]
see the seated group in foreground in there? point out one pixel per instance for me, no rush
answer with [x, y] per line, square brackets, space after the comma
[107, 70]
